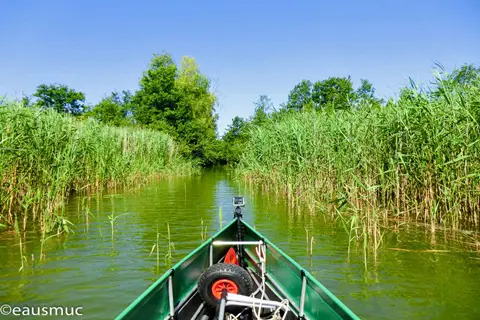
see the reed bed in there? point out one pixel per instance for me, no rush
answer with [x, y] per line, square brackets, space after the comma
[45, 156]
[417, 157]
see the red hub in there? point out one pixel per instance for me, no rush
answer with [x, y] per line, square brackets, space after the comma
[221, 284]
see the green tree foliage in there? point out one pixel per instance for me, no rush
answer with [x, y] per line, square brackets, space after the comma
[366, 90]
[459, 81]
[300, 96]
[155, 100]
[178, 101]
[195, 118]
[235, 140]
[114, 110]
[236, 136]
[365, 95]
[334, 92]
[60, 98]
[263, 106]
[468, 74]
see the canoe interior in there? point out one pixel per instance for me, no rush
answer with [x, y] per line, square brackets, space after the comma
[283, 281]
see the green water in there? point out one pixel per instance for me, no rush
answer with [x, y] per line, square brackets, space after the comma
[86, 269]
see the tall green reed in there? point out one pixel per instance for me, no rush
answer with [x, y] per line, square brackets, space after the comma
[156, 246]
[418, 157]
[45, 156]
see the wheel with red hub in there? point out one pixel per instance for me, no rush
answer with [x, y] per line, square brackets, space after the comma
[219, 285]
[222, 276]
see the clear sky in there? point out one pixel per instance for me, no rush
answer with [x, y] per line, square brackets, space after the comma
[247, 48]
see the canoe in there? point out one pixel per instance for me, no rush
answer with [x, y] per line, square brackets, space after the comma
[237, 274]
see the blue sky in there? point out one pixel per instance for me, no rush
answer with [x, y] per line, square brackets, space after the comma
[247, 48]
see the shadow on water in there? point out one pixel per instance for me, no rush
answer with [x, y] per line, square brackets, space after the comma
[104, 272]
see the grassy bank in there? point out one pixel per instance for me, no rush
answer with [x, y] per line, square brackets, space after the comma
[45, 156]
[417, 157]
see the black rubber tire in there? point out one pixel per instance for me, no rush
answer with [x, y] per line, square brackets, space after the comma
[219, 271]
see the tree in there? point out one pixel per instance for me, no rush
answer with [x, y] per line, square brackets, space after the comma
[301, 96]
[366, 90]
[60, 98]
[262, 107]
[366, 93]
[114, 110]
[178, 101]
[468, 74]
[235, 139]
[458, 81]
[237, 134]
[156, 97]
[26, 101]
[334, 93]
[195, 117]
[236, 130]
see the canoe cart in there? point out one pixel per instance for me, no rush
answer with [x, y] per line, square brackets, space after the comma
[237, 274]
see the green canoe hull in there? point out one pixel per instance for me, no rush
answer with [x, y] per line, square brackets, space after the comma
[284, 277]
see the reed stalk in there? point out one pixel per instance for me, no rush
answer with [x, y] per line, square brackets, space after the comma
[312, 241]
[203, 230]
[23, 259]
[171, 246]
[156, 245]
[113, 218]
[306, 238]
[220, 217]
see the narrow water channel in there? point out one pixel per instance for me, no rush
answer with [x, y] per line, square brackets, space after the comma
[433, 276]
